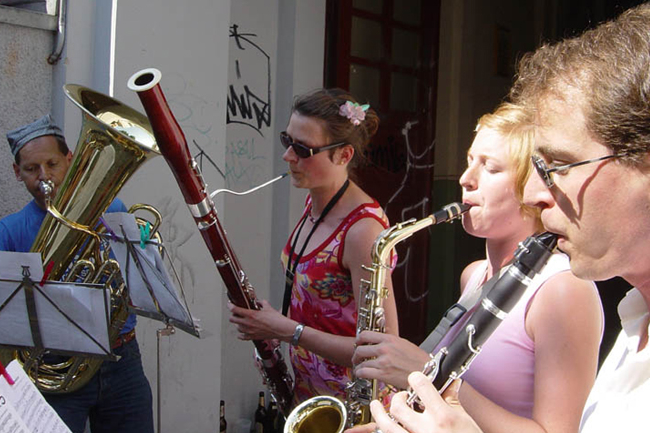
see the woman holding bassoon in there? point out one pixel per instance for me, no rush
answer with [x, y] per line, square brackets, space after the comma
[325, 139]
[534, 373]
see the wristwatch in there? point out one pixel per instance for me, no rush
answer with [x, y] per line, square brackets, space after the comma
[297, 333]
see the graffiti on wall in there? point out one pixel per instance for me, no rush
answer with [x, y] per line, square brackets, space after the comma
[248, 104]
[417, 208]
[244, 163]
[249, 98]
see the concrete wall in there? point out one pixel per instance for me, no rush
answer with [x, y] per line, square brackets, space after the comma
[25, 87]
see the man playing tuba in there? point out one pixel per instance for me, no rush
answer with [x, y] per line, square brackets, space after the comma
[118, 397]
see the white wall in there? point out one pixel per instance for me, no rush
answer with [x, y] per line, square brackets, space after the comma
[249, 162]
[280, 54]
[188, 43]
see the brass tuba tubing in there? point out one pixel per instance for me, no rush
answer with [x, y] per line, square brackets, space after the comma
[329, 413]
[114, 141]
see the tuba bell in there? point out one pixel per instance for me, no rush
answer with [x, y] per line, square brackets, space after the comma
[115, 140]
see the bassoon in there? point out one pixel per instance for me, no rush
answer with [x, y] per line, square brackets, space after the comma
[173, 146]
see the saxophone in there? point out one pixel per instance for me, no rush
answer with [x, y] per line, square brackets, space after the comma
[328, 414]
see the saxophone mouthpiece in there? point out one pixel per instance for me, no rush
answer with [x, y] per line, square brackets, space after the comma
[450, 212]
[464, 207]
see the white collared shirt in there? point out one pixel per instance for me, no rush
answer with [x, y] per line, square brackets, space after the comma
[620, 398]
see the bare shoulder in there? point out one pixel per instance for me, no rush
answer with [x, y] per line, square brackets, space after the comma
[567, 289]
[359, 240]
[566, 301]
[467, 273]
[363, 231]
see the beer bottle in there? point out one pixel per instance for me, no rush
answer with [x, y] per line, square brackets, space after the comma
[260, 415]
[222, 417]
[271, 415]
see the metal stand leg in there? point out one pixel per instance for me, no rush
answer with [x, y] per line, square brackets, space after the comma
[167, 331]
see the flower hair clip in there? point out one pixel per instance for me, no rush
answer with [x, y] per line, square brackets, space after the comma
[353, 111]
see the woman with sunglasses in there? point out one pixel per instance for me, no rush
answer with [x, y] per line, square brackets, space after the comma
[327, 135]
[534, 373]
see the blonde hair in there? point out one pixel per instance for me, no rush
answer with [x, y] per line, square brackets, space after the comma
[514, 123]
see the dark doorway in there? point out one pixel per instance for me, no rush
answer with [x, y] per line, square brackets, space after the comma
[385, 52]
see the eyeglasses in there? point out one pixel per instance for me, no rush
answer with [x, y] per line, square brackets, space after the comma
[302, 150]
[545, 173]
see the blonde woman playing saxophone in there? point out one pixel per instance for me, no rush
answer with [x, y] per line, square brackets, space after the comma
[534, 373]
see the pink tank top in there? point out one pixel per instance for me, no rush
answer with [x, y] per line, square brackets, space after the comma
[504, 372]
[322, 298]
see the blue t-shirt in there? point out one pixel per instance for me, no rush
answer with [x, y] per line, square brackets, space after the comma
[18, 232]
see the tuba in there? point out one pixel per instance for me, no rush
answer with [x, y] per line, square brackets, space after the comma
[114, 142]
[326, 414]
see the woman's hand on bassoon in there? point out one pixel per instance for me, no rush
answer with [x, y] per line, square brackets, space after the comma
[442, 414]
[387, 357]
[267, 323]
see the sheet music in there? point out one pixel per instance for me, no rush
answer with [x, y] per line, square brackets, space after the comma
[10, 421]
[72, 317]
[165, 302]
[11, 265]
[22, 407]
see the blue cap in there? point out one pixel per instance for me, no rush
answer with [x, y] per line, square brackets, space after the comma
[19, 137]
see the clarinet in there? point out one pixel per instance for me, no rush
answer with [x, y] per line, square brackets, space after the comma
[502, 293]
[173, 146]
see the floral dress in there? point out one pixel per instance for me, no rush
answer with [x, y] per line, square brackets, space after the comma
[322, 298]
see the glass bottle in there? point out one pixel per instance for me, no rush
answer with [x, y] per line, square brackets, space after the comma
[260, 415]
[222, 417]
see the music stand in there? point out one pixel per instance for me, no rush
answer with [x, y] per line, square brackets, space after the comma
[151, 288]
[61, 318]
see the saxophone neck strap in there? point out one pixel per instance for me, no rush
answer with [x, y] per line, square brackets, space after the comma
[456, 312]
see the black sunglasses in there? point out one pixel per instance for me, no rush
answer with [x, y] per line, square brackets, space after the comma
[302, 150]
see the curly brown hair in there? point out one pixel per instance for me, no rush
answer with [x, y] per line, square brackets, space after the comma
[608, 68]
